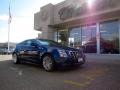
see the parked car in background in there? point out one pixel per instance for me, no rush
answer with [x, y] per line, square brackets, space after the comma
[3, 51]
[48, 53]
[11, 50]
[4, 48]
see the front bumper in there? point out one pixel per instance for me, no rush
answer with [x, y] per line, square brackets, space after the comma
[71, 61]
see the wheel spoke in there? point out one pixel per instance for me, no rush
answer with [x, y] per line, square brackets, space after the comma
[47, 63]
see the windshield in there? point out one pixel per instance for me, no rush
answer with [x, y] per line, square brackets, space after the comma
[48, 42]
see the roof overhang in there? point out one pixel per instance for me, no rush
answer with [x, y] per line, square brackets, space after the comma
[88, 19]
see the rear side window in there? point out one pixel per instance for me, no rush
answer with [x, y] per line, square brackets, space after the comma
[27, 42]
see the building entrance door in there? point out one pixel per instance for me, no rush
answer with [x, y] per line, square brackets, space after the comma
[63, 37]
[75, 37]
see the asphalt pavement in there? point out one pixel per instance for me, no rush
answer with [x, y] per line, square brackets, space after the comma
[96, 74]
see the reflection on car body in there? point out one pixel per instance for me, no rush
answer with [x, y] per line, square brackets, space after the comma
[48, 53]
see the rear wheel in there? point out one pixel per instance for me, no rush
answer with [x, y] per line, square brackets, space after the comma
[15, 59]
[48, 63]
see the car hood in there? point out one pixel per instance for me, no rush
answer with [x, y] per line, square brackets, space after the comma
[61, 47]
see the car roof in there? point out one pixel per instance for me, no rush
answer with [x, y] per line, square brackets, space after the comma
[33, 39]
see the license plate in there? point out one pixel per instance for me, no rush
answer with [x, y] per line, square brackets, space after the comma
[80, 59]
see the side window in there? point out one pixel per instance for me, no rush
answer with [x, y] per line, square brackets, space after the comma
[28, 43]
[23, 43]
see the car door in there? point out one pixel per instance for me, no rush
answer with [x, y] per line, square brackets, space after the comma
[32, 51]
[23, 47]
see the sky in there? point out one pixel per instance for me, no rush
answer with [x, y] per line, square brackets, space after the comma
[22, 24]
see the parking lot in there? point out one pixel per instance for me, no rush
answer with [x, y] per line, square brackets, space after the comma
[96, 74]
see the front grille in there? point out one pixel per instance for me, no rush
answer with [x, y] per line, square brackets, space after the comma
[74, 54]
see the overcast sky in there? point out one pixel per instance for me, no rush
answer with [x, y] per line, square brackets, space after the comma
[22, 25]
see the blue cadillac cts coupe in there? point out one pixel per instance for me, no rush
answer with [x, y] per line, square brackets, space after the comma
[48, 53]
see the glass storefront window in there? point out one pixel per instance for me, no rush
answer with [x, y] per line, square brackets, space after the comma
[56, 36]
[75, 37]
[109, 40]
[89, 39]
[86, 38]
[63, 37]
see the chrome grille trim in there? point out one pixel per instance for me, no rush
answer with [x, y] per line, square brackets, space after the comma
[73, 54]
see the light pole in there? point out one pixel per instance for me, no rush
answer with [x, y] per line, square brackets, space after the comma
[9, 22]
[8, 36]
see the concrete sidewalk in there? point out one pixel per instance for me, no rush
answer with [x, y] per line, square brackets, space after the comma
[5, 57]
[89, 56]
[104, 59]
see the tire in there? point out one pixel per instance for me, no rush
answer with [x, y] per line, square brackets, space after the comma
[48, 63]
[15, 59]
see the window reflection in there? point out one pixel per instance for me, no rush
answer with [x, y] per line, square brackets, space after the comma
[89, 38]
[61, 36]
[75, 37]
[85, 37]
[109, 41]
[56, 36]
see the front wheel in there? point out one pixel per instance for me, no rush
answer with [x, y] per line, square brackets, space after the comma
[15, 59]
[48, 63]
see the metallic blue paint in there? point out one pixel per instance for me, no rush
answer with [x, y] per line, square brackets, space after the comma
[72, 53]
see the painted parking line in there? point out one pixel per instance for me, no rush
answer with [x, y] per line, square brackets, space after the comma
[89, 76]
[16, 70]
[76, 83]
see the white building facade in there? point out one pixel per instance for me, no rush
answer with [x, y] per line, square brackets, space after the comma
[74, 23]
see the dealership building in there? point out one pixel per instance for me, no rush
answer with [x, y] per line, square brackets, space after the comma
[94, 26]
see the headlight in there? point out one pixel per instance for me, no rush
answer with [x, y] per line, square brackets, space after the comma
[62, 53]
